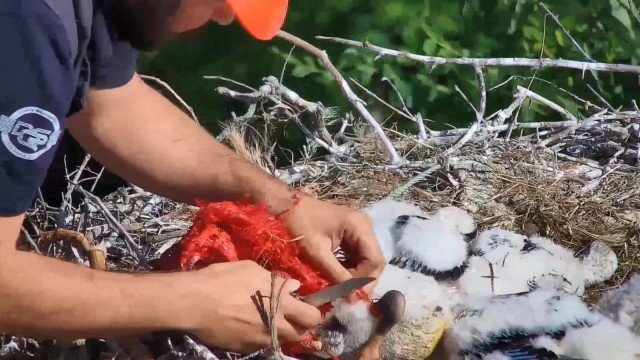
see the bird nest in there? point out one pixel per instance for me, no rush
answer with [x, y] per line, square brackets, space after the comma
[511, 184]
[573, 181]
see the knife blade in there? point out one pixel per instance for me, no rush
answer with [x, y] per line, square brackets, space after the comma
[336, 291]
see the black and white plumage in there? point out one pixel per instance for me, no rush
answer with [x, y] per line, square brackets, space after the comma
[424, 296]
[547, 323]
[622, 304]
[434, 245]
[431, 244]
[504, 262]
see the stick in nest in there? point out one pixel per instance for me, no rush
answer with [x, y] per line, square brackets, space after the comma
[97, 254]
[273, 328]
[269, 319]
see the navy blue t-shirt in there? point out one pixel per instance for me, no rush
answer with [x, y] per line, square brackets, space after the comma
[37, 88]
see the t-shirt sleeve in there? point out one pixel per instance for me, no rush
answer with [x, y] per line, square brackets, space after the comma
[113, 62]
[36, 89]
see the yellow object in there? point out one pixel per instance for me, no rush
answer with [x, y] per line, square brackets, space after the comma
[435, 340]
[415, 340]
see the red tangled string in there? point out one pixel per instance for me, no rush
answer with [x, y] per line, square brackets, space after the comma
[233, 231]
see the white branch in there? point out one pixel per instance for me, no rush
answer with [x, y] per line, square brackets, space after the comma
[484, 62]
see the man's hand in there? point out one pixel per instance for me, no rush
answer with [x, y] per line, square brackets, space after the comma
[234, 323]
[323, 226]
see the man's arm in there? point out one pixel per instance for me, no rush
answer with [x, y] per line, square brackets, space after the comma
[138, 134]
[50, 299]
[41, 296]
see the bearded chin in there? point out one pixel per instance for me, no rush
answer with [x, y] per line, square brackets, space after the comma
[145, 24]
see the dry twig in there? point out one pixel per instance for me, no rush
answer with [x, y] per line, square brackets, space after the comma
[97, 254]
[344, 87]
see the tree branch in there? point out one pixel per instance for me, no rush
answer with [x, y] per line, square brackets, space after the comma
[485, 62]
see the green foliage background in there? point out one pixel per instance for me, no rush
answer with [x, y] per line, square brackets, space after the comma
[608, 31]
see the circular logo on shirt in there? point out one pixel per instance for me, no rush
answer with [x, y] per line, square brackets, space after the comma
[29, 132]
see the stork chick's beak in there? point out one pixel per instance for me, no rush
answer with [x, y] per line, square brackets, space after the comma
[391, 308]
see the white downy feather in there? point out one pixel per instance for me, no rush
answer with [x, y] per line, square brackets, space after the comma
[435, 243]
[512, 275]
[561, 261]
[383, 215]
[500, 267]
[517, 262]
[600, 263]
[546, 342]
[423, 295]
[605, 340]
[496, 243]
[461, 219]
[357, 325]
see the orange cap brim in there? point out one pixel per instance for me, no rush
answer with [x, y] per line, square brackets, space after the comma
[260, 18]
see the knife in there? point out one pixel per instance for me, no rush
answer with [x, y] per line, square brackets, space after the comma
[336, 291]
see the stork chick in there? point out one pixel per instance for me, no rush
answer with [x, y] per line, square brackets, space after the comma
[547, 323]
[420, 248]
[504, 262]
[428, 309]
[352, 332]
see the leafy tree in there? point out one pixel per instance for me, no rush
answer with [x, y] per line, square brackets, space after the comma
[607, 30]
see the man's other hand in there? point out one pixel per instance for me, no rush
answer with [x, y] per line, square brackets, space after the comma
[322, 226]
[235, 323]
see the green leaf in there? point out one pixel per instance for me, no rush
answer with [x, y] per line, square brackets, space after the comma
[620, 12]
[301, 71]
[569, 104]
[429, 47]
[559, 37]
[531, 32]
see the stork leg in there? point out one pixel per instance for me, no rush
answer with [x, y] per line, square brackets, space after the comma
[391, 307]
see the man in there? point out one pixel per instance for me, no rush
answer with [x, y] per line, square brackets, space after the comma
[142, 137]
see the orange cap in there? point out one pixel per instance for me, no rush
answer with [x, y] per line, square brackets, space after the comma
[260, 18]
